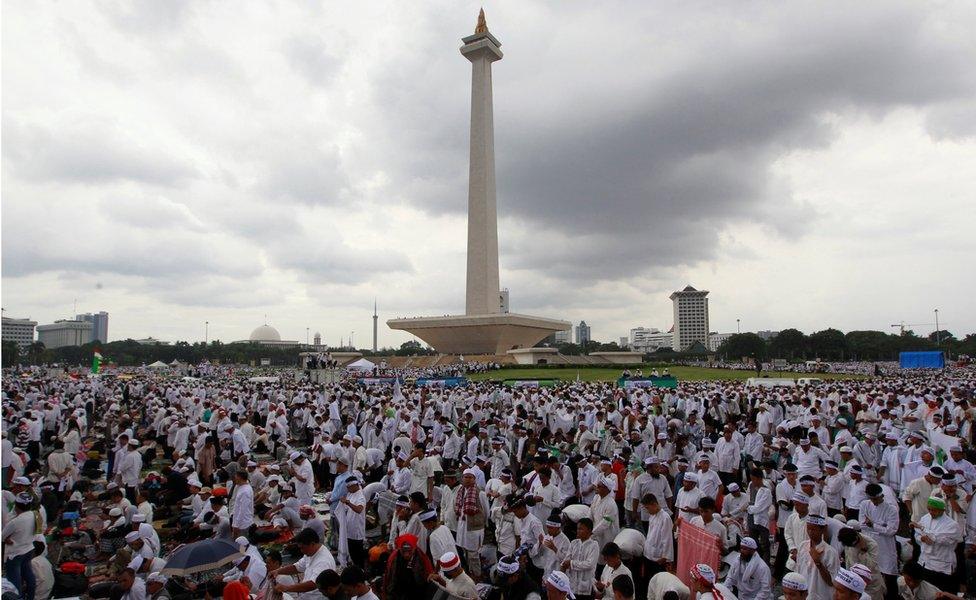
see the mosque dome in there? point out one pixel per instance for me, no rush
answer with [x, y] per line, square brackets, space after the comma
[265, 333]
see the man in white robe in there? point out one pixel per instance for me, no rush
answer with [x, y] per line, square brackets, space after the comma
[749, 576]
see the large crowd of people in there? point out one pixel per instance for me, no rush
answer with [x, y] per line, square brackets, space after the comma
[849, 489]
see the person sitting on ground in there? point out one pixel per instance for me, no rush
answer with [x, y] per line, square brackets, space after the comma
[406, 571]
[316, 558]
[453, 578]
[911, 586]
[156, 586]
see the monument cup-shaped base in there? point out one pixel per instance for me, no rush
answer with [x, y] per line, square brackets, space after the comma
[480, 334]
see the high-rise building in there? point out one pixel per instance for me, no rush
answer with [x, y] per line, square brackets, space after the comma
[624, 342]
[317, 339]
[503, 302]
[690, 318]
[19, 330]
[65, 333]
[766, 334]
[582, 333]
[563, 337]
[99, 323]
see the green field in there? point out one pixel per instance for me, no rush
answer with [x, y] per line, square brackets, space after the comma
[611, 374]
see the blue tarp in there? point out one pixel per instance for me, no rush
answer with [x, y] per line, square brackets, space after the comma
[932, 359]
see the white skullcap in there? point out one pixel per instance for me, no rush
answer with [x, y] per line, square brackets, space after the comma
[816, 520]
[449, 561]
[863, 571]
[560, 581]
[703, 572]
[795, 581]
[748, 542]
[508, 567]
[850, 580]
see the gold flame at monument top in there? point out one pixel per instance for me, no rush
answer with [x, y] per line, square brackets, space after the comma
[482, 26]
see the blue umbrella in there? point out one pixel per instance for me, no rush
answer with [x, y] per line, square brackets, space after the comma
[201, 556]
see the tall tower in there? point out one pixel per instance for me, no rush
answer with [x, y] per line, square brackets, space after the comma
[374, 324]
[485, 327]
[690, 318]
[482, 49]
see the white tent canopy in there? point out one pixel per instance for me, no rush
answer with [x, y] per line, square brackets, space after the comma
[158, 365]
[360, 365]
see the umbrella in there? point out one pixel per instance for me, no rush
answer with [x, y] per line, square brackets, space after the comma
[201, 556]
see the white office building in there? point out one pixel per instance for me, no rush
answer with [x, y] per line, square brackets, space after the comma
[64, 333]
[690, 318]
[766, 334]
[503, 302]
[19, 330]
[563, 337]
[151, 341]
[715, 340]
[649, 339]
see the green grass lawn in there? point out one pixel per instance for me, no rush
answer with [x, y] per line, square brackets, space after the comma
[611, 374]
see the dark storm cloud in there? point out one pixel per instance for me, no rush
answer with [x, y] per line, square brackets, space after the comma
[653, 176]
[661, 174]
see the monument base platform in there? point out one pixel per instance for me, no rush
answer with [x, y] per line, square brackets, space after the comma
[480, 334]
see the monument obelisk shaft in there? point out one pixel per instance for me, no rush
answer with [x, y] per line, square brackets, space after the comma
[482, 49]
[483, 329]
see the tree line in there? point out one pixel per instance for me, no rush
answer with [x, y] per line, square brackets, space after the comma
[835, 345]
[789, 344]
[132, 353]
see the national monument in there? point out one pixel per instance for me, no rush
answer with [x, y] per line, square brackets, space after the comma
[483, 328]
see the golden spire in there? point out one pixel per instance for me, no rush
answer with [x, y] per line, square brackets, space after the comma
[482, 26]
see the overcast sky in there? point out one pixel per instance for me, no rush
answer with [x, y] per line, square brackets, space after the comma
[811, 164]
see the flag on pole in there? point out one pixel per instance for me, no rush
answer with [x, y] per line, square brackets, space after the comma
[97, 361]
